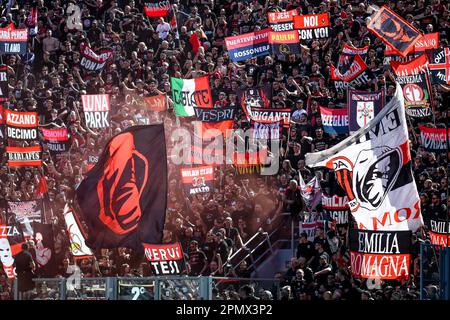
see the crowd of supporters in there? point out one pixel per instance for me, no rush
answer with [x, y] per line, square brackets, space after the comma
[211, 227]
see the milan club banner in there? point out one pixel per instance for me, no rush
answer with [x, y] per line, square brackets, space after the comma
[434, 139]
[374, 168]
[165, 259]
[12, 40]
[394, 31]
[157, 8]
[190, 93]
[4, 89]
[96, 110]
[312, 26]
[285, 42]
[439, 232]
[123, 198]
[92, 61]
[336, 207]
[347, 56]
[440, 66]
[11, 240]
[21, 125]
[266, 131]
[25, 213]
[156, 103]
[335, 121]
[214, 114]
[282, 21]
[24, 156]
[363, 107]
[413, 77]
[271, 115]
[311, 192]
[78, 247]
[57, 140]
[428, 41]
[45, 250]
[382, 255]
[198, 180]
[207, 153]
[248, 45]
[356, 75]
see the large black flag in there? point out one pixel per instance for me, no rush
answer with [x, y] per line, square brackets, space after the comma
[123, 198]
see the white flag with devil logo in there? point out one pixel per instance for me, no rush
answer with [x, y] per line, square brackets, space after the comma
[374, 168]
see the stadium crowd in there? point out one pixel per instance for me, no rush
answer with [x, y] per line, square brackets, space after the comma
[210, 227]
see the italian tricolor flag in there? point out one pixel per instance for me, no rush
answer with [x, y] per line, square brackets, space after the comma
[190, 93]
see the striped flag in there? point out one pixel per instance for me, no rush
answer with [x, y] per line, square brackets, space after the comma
[190, 93]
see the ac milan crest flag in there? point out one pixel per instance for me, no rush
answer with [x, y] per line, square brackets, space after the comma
[77, 236]
[394, 31]
[123, 198]
[96, 110]
[363, 106]
[374, 168]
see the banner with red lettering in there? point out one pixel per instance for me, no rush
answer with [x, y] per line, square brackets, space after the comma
[92, 61]
[21, 125]
[434, 139]
[24, 156]
[439, 232]
[157, 103]
[384, 255]
[12, 40]
[415, 82]
[165, 259]
[428, 41]
[282, 21]
[198, 179]
[57, 140]
[334, 121]
[394, 31]
[96, 110]
[312, 26]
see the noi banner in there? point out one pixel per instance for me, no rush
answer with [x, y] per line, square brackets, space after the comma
[157, 8]
[384, 255]
[24, 156]
[440, 66]
[312, 26]
[77, 236]
[25, 213]
[282, 21]
[413, 77]
[363, 107]
[21, 125]
[57, 140]
[394, 31]
[285, 42]
[434, 139]
[248, 45]
[165, 259]
[336, 207]
[334, 121]
[92, 61]
[439, 232]
[198, 180]
[356, 75]
[12, 40]
[156, 103]
[4, 88]
[96, 110]
[190, 93]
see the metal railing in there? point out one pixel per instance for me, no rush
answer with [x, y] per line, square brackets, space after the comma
[434, 272]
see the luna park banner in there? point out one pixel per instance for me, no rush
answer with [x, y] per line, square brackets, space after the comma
[96, 109]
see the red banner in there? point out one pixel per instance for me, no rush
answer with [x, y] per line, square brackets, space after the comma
[24, 156]
[157, 103]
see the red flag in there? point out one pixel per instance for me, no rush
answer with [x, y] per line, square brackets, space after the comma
[195, 42]
[41, 188]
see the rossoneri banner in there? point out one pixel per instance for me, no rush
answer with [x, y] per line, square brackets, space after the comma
[248, 45]
[434, 139]
[312, 26]
[439, 232]
[21, 125]
[382, 255]
[12, 40]
[24, 156]
[96, 110]
[197, 180]
[271, 115]
[56, 139]
[165, 259]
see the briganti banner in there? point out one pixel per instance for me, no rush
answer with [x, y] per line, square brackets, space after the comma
[335, 121]
[434, 139]
[165, 259]
[312, 26]
[248, 45]
[374, 168]
[190, 93]
[198, 180]
[96, 110]
[363, 107]
[12, 40]
[382, 255]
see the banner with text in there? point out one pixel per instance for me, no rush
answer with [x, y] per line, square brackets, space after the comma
[96, 110]
[335, 121]
[248, 45]
[198, 180]
[434, 139]
[165, 259]
[363, 106]
[312, 26]
[21, 125]
[12, 40]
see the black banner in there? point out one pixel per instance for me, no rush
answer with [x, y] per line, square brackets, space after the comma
[21, 125]
[45, 250]
[25, 213]
[214, 114]
[439, 231]
[165, 259]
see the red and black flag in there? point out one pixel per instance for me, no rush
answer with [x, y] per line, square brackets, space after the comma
[21, 125]
[434, 139]
[24, 156]
[198, 179]
[157, 8]
[439, 231]
[440, 66]
[123, 198]
[45, 249]
[57, 139]
[165, 259]
[11, 240]
[394, 31]
[4, 89]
